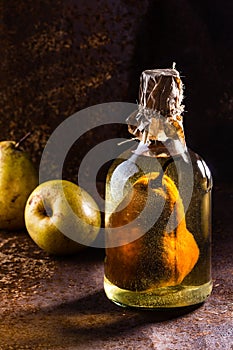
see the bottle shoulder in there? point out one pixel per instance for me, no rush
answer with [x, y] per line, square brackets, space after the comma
[129, 166]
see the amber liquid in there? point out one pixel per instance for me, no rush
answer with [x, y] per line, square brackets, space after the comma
[158, 262]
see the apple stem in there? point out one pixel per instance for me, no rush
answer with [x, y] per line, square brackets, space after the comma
[22, 140]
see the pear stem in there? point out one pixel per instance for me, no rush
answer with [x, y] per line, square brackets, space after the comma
[22, 140]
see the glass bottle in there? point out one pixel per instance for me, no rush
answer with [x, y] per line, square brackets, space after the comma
[158, 207]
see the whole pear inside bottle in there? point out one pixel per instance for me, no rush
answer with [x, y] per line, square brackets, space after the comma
[158, 206]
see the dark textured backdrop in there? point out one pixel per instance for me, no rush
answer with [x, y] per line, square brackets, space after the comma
[58, 57]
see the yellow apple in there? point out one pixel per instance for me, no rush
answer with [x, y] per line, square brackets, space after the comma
[61, 217]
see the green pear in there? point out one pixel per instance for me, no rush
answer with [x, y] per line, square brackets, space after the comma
[61, 217]
[18, 178]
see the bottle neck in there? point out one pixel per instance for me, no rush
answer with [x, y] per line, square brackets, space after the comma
[162, 136]
[159, 149]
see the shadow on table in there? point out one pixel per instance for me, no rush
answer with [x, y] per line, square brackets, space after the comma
[90, 319]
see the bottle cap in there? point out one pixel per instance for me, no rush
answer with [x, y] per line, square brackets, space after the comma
[161, 90]
[160, 106]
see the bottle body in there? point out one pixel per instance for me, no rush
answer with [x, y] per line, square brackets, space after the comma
[158, 229]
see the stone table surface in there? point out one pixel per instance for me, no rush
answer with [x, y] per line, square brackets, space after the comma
[59, 303]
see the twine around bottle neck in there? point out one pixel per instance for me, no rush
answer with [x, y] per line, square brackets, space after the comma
[147, 124]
